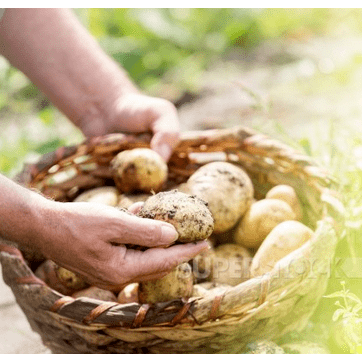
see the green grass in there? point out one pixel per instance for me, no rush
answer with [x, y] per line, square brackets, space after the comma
[341, 154]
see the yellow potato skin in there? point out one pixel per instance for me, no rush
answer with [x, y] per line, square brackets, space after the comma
[177, 284]
[259, 221]
[128, 294]
[287, 194]
[107, 195]
[226, 188]
[231, 264]
[47, 272]
[96, 293]
[202, 263]
[70, 279]
[282, 240]
[139, 169]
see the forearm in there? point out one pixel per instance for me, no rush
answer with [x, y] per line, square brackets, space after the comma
[21, 213]
[82, 237]
[55, 51]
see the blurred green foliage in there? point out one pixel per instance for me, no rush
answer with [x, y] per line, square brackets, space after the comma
[165, 51]
[155, 43]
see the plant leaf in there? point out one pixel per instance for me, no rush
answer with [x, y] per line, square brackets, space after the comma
[339, 294]
[357, 308]
[337, 314]
[354, 297]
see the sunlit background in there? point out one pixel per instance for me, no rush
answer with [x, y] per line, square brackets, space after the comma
[293, 73]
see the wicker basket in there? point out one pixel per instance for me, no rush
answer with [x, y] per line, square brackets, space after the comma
[264, 307]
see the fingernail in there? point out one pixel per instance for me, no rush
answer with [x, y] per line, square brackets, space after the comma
[169, 234]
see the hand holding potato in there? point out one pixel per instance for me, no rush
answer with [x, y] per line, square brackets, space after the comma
[88, 238]
[135, 112]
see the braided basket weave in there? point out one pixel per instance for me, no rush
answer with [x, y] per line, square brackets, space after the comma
[263, 307]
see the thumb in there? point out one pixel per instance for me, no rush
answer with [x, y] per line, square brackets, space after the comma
[145, 232]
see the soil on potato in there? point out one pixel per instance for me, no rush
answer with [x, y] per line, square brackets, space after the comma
[188, 213]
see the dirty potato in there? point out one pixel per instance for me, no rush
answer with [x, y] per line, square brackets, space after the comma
[47, 272]
[226, 188]
[96, 293]
[259, 221]
[70, 279]
[202, 263]
[177, 284]
[231, 264]
[282, 240]
[188, 214]
[287, 194]
[107, 195]
[140, 169]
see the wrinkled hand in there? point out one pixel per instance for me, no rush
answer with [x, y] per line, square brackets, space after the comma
[135, 112]
[88, 239]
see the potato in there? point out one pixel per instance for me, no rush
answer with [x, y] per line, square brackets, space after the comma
[231, 264]
[226, 237]
[177, 284]
[226, 188]
[107, 195]
[282, 240]
[188, 214]
[96, 293]
[140, 169]
[126, 200]
[260, 220]
[128, 294]
[183, 187]
[70, 279]
[202, 263]
[47, 273]
[287, 194]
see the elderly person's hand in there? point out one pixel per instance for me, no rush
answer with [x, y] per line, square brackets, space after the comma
[89, 238]
[136, 112]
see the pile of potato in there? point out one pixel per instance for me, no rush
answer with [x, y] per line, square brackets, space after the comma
[247, 237]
